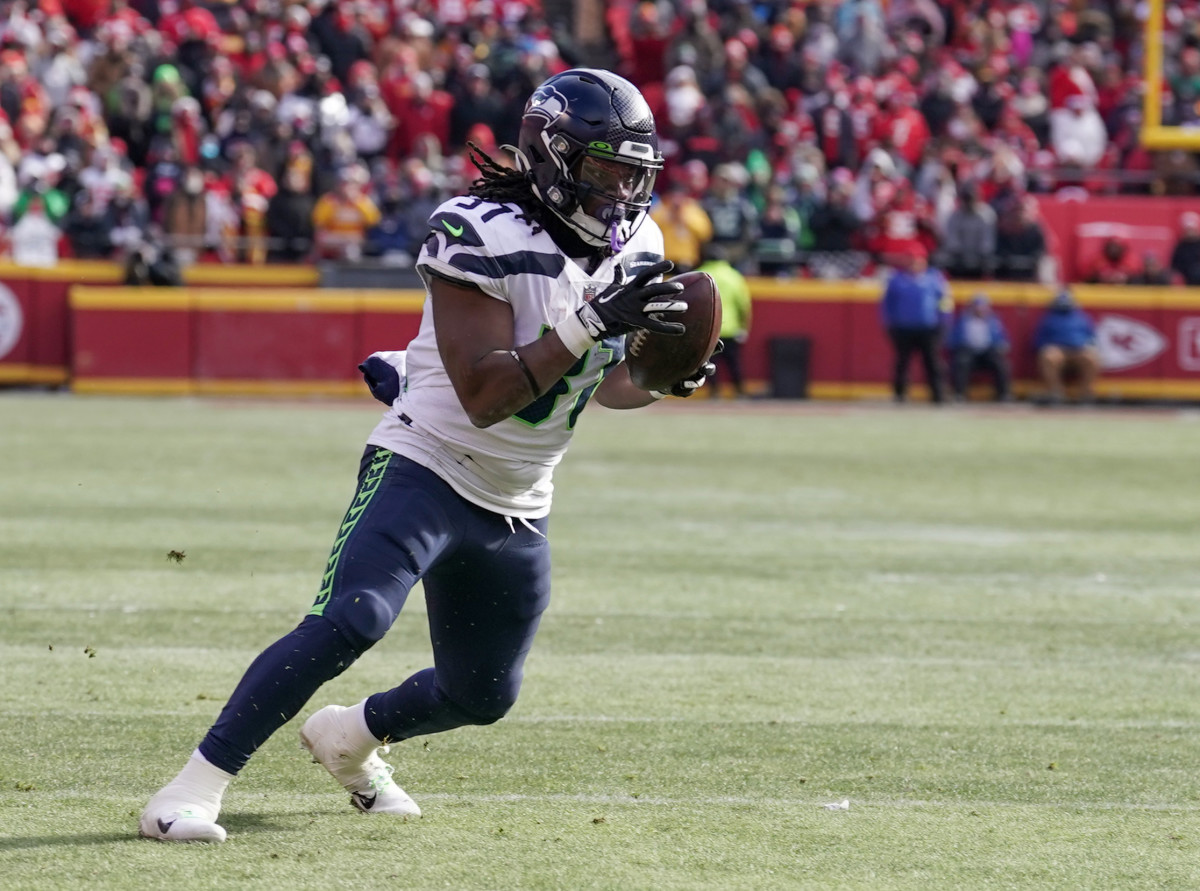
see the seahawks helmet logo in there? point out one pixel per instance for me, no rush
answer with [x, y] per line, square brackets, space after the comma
[547, 102]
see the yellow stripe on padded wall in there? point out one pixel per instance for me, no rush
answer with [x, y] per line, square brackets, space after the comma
[1028, 294]
[275, 300]
[28, 373]
[285, 300]
[201, 274]
[167, 386]
[816, 291]
[239, 387]
[90, 297]
[132, 386]
[94, 271]
[392, 301]
[347, 300]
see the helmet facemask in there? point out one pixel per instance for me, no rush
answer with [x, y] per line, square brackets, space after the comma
[611, 197]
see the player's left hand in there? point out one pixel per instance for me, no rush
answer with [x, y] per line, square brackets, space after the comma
[383, 376]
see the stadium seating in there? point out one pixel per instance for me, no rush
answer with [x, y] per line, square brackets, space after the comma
[160, 133]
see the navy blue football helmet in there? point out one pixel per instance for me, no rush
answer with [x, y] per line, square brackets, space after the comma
[588, 142]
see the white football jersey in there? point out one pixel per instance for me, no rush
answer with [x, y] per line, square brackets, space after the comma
[507, 467]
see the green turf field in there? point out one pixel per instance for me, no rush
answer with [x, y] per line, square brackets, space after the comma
[980, 628]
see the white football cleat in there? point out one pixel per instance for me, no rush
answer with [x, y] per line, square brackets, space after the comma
[178, 822]
[339, 741]
[186, 809]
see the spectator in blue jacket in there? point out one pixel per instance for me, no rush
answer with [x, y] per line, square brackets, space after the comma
[1065, 342]
[978, 342]
[915, 308]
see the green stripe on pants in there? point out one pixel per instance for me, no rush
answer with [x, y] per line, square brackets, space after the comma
[367, 488]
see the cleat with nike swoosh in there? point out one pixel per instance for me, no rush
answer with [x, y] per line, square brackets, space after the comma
[337, 741]
[179, 825]
[186, 809]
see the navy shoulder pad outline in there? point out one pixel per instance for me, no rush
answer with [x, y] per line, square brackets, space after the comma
[516, 263]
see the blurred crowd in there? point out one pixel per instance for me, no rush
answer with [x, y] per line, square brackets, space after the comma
[811, 137]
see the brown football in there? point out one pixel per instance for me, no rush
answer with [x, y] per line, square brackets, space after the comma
[659, 361]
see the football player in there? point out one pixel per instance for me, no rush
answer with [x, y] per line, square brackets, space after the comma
[533, 278]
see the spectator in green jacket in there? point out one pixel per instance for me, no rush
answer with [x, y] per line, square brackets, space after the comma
[735, 317]
[42, 177]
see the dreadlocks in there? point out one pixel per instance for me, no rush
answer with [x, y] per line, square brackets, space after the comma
[506, 186]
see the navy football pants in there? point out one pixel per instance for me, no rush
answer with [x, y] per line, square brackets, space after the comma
[486, 580]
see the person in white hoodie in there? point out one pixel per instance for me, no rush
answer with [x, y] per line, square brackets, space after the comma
[34, 238]
[1077, 133]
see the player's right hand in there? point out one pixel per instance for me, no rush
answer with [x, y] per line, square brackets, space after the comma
[625, 307]
[689, 385]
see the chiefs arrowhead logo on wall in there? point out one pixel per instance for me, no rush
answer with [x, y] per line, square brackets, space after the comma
[12, 320]
[1127, 343]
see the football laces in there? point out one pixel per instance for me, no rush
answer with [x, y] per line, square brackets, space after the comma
[634, 344]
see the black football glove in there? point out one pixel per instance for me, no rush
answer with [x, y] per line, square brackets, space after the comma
[383, 378]
[619, 309]
[689, 385]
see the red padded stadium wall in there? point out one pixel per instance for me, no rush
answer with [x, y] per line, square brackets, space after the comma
[310, 341]
[18, 329]
[387, 320]
[220, 341]
[1150, 336]
[42, 351]
[132, 334]
[284, 337]
[37, 350]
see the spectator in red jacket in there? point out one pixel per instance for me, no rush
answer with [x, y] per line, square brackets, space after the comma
[650, 33]
[1071, 79]
[86, 14]
[251, 189]
[425, 109]
[903, 227]
[902, 128]
[1114, 266]
[865, 121]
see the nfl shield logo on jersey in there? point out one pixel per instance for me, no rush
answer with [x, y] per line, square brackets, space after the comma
[589, 293]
